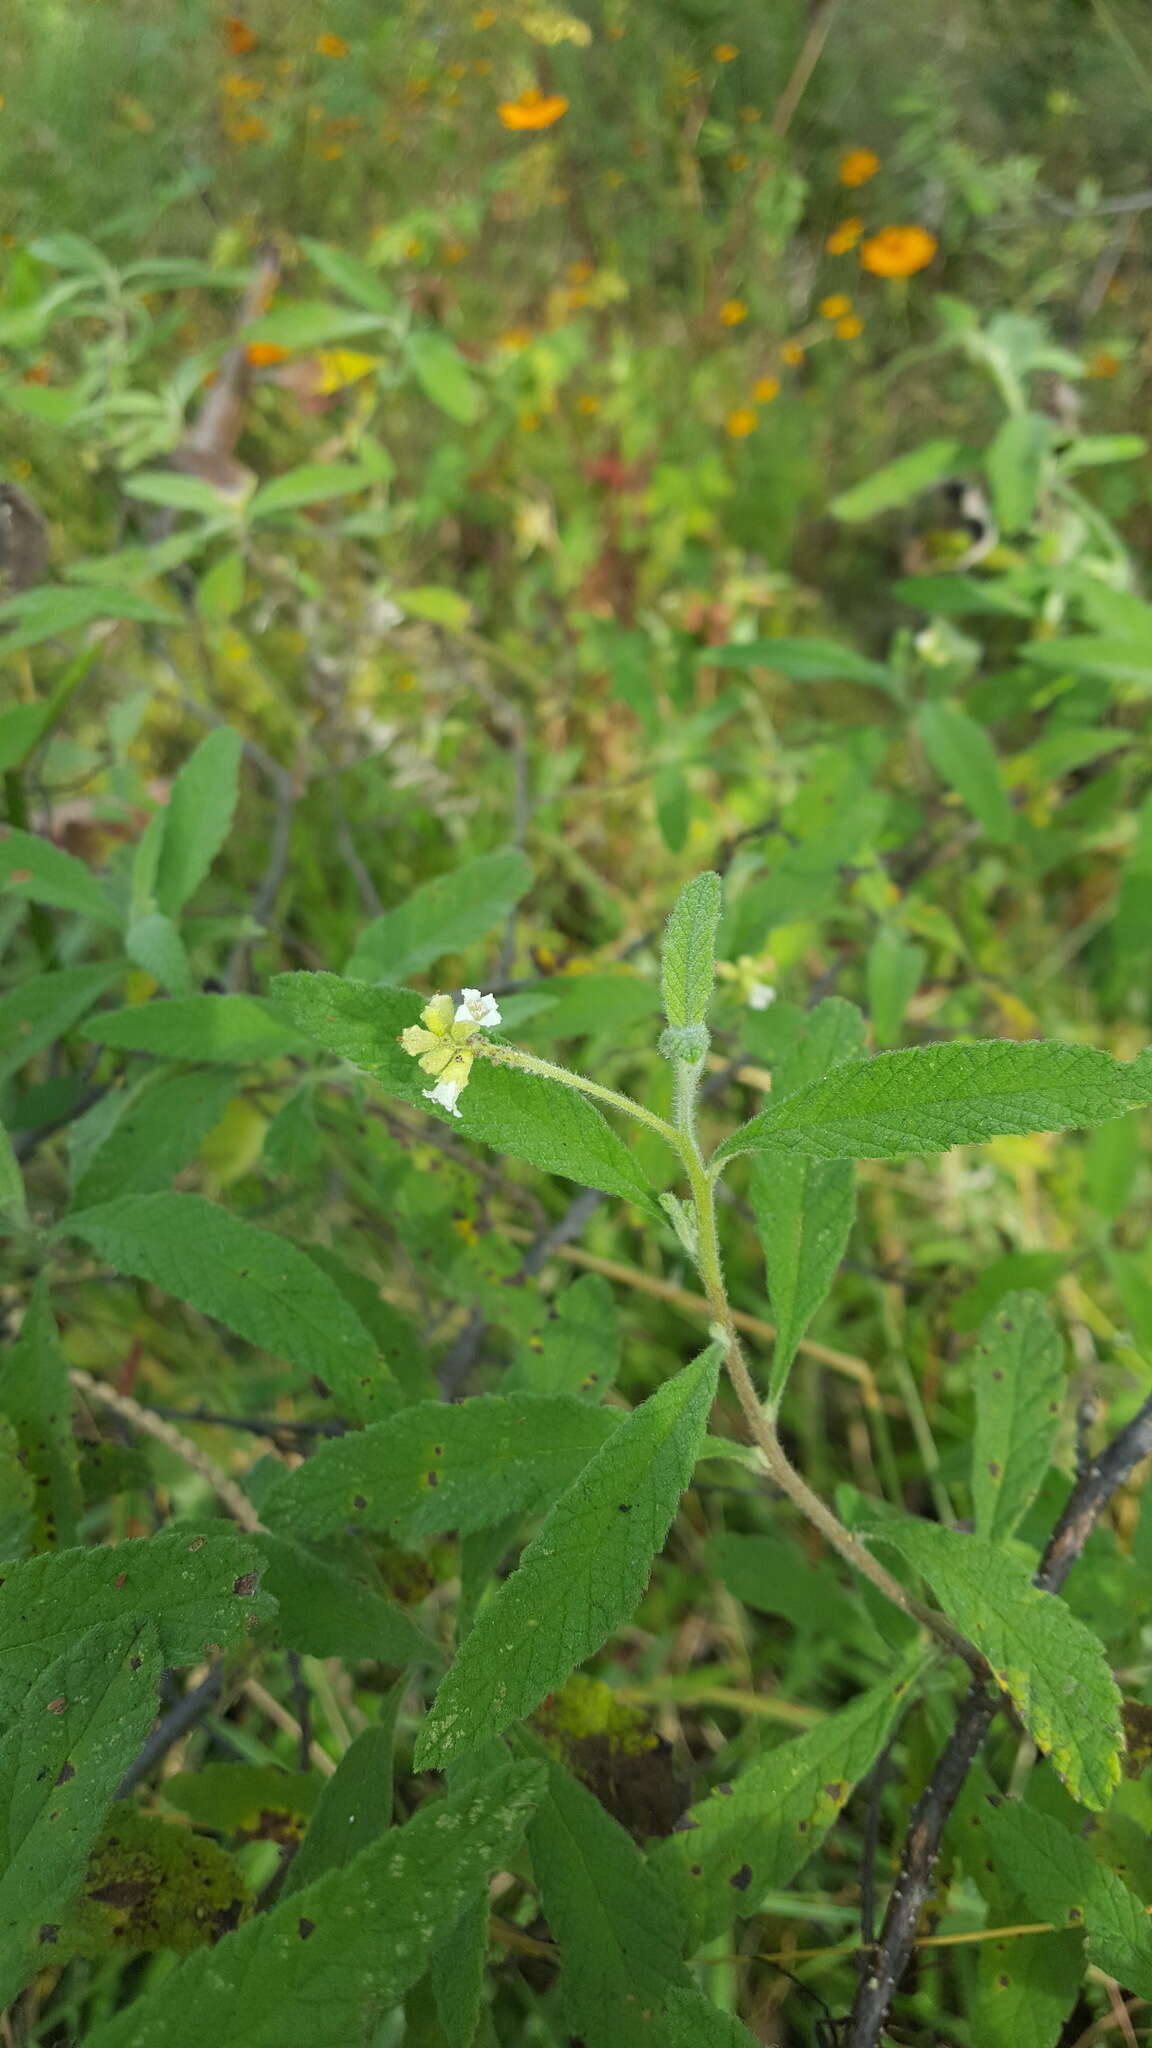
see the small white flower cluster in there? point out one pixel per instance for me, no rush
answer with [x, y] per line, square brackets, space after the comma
[442, 1042]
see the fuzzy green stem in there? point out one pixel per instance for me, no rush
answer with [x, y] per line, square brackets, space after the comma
[760, 1426]
[512, 1056]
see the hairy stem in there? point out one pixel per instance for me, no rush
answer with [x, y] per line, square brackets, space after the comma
[527, 1062]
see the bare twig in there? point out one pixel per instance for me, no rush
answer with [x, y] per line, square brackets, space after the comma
[884, 1968]
[178, 1722]
[226, 1490]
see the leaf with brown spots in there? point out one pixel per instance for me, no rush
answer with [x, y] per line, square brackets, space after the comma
[1020, 1391]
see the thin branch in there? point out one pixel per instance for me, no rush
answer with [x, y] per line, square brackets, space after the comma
[226, 1490]
[178, 1722]
[885, 1967]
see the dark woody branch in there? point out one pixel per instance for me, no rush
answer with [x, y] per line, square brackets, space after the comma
[885, 1965]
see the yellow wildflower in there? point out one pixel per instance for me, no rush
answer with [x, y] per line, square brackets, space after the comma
[533, 110]
[1102, 364]
[741, 422]
[737, 160]
[750, 114]
[443, 1040]
[588, 404]
[331, 46]
[849, 327]
[857, 166]
[845, 236]
[793, 354]
[898, 251]
[454, 252]
[765, 389]
[236, 87]
[834, 306]
[732, 312]
[725, 53]
[484, 18]
[245, 128]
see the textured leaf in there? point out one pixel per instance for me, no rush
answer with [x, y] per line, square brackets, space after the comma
[39, 872]
[1059, 1879]
[443, 375]
[810, 661]
[829, 1036]
[153, 942]
[442, 1465]
[13, 1203]
[442, 917]
[326, 1964]
[355, 1805]
[161, 1129]
[931, 1097]
[1015, 464]
[1049, 1663]
[80, 1725]
[197, 1585]
[688, 958]
[894, 970]
[773, 1575]
[578, 1349]
[523, 1114]
[457, 1974]
[1025, 1988]
[45, 1006]
[612, 1914]
[1020, 1389]
[325, 1611]
[804, 1210]
[198, 818]
[963, 756]
[897, 482]
[224, 1030]
[36, 1397]
[581, 1575]
[754, 1835]
[254, 1282]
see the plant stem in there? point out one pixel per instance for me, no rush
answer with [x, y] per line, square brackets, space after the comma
[761, 1428]
[512, 1056]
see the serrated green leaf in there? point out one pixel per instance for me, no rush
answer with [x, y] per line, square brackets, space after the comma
[36, 1397]
[229, 1798]
[772, 1575]
[36, 871]
[808, 661]
[755, 1834]
[894, 970]
[153, 942]
[79, 1728]
[327, 1611]
[1025, 1988]
[326, 1964]
[929, 1098]
[1049, 1663]
[443, 375]
[1059, 1879]
[312, 483]
[442, 1465]
[612, 1914]
[13, 1203]
[581, 1575]
[690, 2020]
[804, 1210]
[233, 1031]
[457, 1975]
[897, 482]
[254, 1282]
[526, 1115]
[355, 1806]
[312, 323]
[578, 1349]
[688, 958]
[198, 817]
[162, 1127]
[197, 1582]
[1020, 1389]
[963, 756]
[441, 917]
[1015, 465]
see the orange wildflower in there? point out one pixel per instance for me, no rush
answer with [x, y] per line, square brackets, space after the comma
[849, 327]
[742, 422]
[793, 354]
[898, 251]
[331, 46]
[236, 87]
[834, 306]
[534, 109]
[857, 166]
[725, 53]
[454, 252]
[588, 404]
[238, 36]
[845, 236]
[578, 273]
[244, 128]
[732, 312]
[1102, 364]
[485, 18]
[765, 389]
[262, 353]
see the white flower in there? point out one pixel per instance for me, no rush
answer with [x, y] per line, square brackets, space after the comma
[447, 1094]
[479, 1011]
[761, 995]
